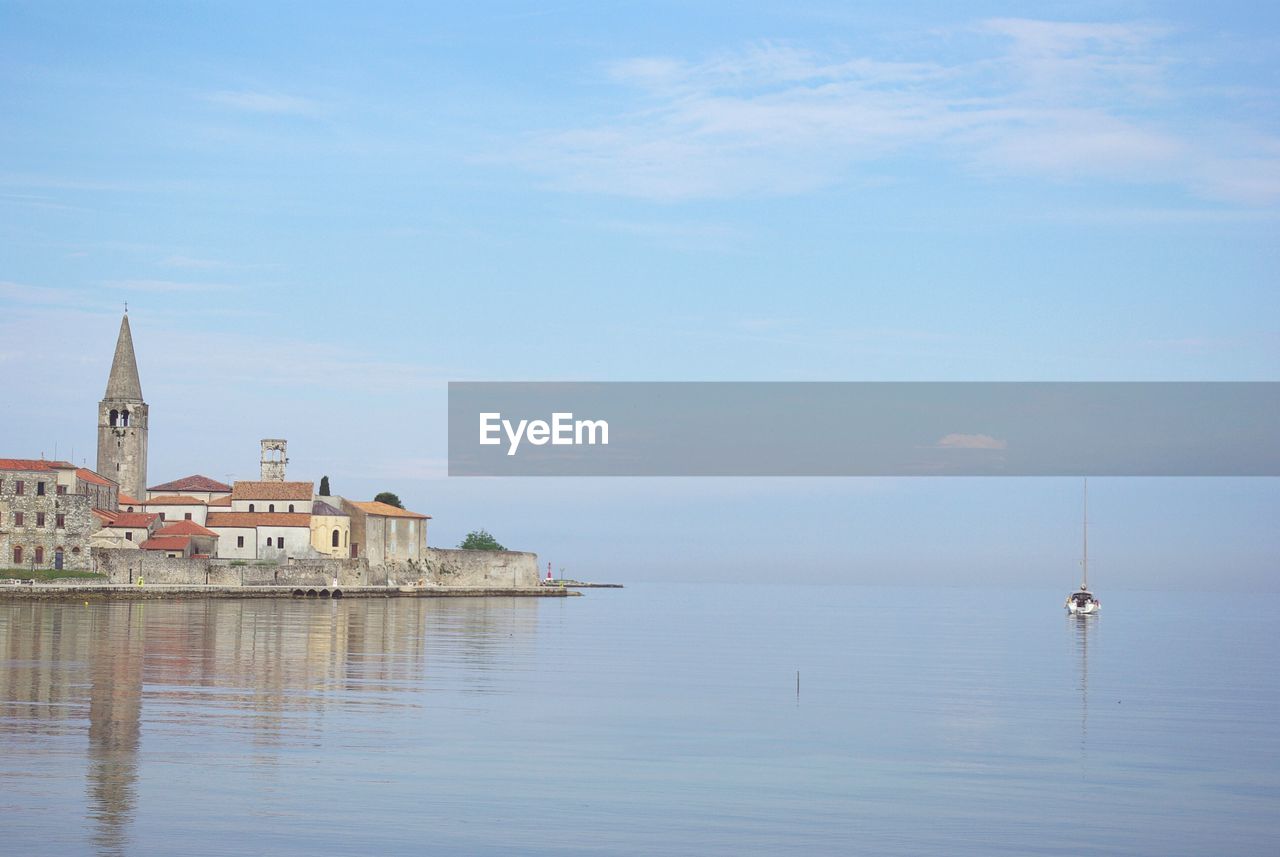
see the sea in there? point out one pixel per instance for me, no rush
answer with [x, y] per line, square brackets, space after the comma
[712, 719]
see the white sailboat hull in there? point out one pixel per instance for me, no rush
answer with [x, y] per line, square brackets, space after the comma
[1083, 609]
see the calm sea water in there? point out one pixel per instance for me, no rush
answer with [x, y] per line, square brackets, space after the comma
[649, 720]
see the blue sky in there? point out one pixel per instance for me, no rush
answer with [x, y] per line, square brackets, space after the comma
[319, 216]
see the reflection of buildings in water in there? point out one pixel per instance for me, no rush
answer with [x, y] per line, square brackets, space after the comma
[115, 709]
[264, 668]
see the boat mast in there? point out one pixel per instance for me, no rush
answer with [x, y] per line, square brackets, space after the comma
[1085, 562]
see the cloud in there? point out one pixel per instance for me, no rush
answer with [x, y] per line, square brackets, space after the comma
[265, 102]
[1064, 101]
[971, 441]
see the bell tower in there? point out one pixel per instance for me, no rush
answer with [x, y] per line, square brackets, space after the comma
[122, 421]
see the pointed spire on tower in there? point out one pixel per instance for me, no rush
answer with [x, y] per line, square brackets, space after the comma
[123, 382]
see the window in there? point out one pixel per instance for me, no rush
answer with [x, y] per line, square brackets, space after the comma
[250, 507]
[128, 535]
[186, 516]
[335, 538]
[17, 556]
[39, 493]
[19, 487]
[39, 556]
[290, 507]
[239, 541]
[17, 519]
[162, 516]
[39, 519]
[271, 508]
[61, 522]
[280, 542]
[75, 551]
[62, 489]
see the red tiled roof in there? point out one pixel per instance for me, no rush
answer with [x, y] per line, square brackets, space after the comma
[165, 543]
[221, 501]
[258, 519]
[174, 500]
[126, 500]
[106, 516]
[33, 464]
[185, 528]
[195, 482]
[133, 520]
[272, 491]
[93, 478]
[386, 510]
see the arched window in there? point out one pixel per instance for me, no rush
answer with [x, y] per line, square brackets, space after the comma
[115, 417]
[39, 556]
[250, 507]
[124, 417]
[290, 507]
[335, 538]
[17, 555]
[271, 508]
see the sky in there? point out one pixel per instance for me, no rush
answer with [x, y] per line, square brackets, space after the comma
[319, 215]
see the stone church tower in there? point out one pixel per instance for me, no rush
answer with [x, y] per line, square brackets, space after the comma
[122, 421]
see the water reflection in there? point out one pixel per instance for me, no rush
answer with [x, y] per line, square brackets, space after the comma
[1081, 628]
[260, 676]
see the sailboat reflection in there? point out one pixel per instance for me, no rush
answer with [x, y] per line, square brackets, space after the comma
[1082, 631]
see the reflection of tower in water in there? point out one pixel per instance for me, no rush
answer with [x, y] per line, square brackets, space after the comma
[115, 707]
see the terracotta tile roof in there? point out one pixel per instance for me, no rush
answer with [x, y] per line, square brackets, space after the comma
[272, 491]
[258, 519]
[132, 520]
[93, 478]
[126, 500]
[105, 516]
[386, 510]
[165, 543]
[185, 528]
[221, 501]
[195, 482]
[174, 500]
[33, 464]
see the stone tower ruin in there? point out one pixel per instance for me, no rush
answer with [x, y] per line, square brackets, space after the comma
[274, 459]
[122, 421]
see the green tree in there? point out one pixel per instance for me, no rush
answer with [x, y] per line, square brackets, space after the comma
[480, 540]
[324, 486]
[388, 498]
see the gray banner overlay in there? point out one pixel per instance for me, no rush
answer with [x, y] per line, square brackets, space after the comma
[864, 429]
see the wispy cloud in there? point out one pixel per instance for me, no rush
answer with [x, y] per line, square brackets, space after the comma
[1068, 101]
[265, 102]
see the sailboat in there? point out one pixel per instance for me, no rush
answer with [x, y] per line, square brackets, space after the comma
[1081, 602]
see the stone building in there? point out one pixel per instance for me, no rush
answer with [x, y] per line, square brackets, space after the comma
[47, 513]
[275, 459]
[122, 421]
[386, 534]
[201, 487]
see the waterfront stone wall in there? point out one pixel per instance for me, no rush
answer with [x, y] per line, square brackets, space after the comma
[438, 567]
[492, 569]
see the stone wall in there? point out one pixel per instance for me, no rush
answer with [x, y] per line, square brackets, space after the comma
[490, 569]
[439, 567]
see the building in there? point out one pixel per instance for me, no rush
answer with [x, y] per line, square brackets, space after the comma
[386, 534]
[123, 529]
[330, 529]
[272, 536]
[275, 459]
[122, 421]
[177, 507]
[201, 487]
[47, 512]
[183, 539]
